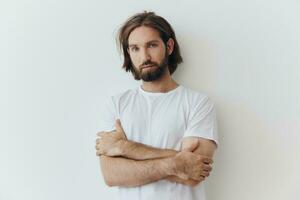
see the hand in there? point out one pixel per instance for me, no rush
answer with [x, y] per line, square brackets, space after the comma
[109, 143]
[189, 165]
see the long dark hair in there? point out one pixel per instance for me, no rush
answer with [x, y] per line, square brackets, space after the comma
[149, 19]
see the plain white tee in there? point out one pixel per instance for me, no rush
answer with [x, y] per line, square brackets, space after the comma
[162, 120]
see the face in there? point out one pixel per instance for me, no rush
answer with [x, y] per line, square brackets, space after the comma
[148, 53]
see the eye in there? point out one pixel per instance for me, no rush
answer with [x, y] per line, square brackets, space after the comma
[153, 45]
[134, 49]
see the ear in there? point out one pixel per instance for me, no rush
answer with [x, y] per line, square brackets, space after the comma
[170, 46]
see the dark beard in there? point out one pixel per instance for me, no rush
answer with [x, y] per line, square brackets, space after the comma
[156, 73]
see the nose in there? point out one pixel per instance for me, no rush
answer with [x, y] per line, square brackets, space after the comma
[145, 56]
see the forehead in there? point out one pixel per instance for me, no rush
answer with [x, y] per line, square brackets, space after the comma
[141, 35]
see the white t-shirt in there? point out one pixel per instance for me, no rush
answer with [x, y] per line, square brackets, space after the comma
[162, 120]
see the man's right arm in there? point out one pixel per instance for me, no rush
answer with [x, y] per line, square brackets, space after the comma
[118, 171]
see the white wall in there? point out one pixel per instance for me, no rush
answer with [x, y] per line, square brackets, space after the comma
[58, 62]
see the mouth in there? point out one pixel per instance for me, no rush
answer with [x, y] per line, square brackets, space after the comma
[148, 66]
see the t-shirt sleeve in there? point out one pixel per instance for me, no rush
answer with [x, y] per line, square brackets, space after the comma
[108, 116]
[202, 121]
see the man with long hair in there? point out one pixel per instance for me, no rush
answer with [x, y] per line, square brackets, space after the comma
[158, 140]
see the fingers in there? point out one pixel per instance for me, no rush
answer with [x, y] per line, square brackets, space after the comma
[200, 175]
[118, 125]
[98, 144]
[206, 165]
[102, 134]
[207, 168]
[202, 172]
[119, 128]
[205, 159]
[100, 147]
[205, 174]
[99, 151]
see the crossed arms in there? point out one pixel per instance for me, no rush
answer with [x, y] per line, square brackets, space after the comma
[128, 163]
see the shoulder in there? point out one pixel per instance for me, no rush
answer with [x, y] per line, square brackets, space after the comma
[123, 96]
[195, 97]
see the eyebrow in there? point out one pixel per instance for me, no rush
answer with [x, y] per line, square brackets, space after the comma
[152, 41]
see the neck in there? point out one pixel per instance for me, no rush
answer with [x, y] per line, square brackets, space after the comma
[162, 85]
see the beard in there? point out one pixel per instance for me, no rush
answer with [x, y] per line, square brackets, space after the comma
[155, 72]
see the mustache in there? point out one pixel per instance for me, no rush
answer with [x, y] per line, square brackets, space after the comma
[148, 63]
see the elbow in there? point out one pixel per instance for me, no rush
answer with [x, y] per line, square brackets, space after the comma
[111, 175]
[108, 180]
[109, 183]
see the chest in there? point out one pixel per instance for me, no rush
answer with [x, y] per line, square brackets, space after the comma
[157, 122]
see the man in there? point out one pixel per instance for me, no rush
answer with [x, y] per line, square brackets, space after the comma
[157, 141]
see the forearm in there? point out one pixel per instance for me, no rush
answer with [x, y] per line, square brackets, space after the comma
[139, 151]
[119, 171]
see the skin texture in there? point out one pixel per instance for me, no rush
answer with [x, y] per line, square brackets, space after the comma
[128, 163]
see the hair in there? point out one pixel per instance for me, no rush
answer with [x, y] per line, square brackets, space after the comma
[148, 19]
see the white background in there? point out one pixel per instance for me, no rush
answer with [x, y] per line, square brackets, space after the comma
[59, 62]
